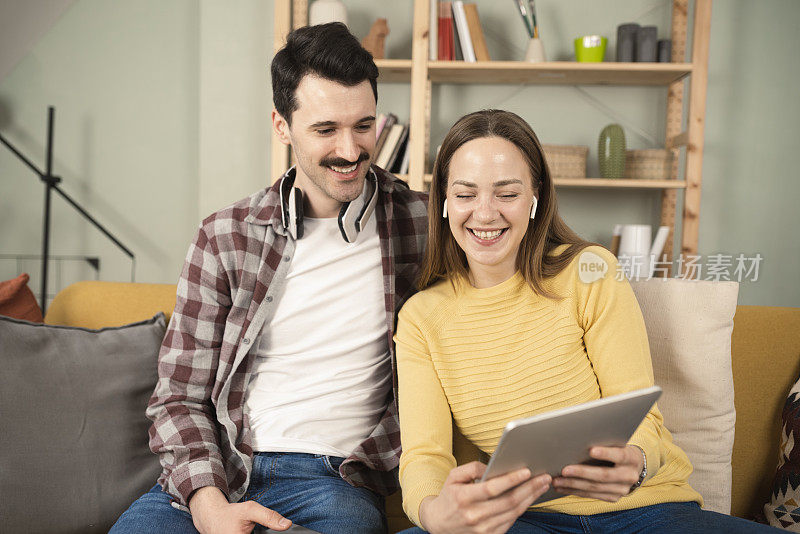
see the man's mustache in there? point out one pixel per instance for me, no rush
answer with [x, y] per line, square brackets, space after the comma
[341, 162]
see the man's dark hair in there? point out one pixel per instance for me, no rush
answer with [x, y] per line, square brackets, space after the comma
[326, 50]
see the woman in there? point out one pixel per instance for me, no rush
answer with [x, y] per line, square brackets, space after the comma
[504, 328]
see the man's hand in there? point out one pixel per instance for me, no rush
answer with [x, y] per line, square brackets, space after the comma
[604, 483]
[486, 507]
[213, 514]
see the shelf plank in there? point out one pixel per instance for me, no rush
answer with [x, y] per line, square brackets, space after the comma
[596, 183]
[550, 73]
[558, 72]
[394, 70]
[622, 183]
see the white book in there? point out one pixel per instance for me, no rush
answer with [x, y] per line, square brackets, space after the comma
[388, 147]
[433, 31]
[460, 19]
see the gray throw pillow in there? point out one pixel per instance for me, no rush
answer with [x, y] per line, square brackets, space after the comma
[73, 433]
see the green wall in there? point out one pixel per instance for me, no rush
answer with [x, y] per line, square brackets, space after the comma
[123, 78]
[163, 117]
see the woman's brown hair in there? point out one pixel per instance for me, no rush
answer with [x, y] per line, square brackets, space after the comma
[444, 259]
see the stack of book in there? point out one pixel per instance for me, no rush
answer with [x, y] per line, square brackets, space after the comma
[391, 150]
[455, 32]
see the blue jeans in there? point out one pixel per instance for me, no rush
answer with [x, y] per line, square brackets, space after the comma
[674, 517]
[305, 488]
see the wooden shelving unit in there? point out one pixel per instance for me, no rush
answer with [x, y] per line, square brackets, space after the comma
[557, 73]
[550, 73]
[594, 183]
[421, 74]
[605, 183]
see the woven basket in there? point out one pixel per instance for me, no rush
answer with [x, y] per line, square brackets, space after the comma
[649, 164]
[566, 161]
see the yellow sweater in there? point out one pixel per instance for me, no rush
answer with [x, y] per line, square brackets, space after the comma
[482, 357]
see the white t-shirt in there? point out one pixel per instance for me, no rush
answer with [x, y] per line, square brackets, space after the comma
[322, 374]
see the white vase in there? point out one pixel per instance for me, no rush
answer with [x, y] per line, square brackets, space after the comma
[324, 11]
[535, 51]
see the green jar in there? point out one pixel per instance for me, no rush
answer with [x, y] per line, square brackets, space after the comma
[611, 151]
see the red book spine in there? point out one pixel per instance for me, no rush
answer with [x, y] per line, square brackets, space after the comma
[451, 41]
[442, 39]
[447, 46]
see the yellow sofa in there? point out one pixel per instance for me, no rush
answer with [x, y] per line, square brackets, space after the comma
[765, 353]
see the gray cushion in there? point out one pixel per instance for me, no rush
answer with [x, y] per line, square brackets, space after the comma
[73, 433]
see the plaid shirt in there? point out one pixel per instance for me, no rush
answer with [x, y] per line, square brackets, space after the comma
[224, 298]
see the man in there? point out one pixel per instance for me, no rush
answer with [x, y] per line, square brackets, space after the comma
[276, 399]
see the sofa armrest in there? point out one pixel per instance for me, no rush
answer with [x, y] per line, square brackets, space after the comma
[766, 362]
[95, 304]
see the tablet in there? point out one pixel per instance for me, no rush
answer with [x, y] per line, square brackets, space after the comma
[548, 442]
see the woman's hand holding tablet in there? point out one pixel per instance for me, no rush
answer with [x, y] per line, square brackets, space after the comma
[465, 506]
[604, 483]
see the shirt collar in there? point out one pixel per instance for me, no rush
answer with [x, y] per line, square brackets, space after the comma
[265, 207]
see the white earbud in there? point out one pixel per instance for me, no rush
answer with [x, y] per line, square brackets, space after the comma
[444, 209]
[533, 208]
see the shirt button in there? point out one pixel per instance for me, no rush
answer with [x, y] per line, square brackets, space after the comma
[246, 341]
[269, 298]
[287, 258]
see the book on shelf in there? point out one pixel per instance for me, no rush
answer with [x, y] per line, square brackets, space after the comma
[456, 31]
[395, 159]
[476, 32]
[406, 159]
[457, 55]
[391, 119]
[380, 122]
[447, 46]
[433, 31]
[386, 151]
[462, 29]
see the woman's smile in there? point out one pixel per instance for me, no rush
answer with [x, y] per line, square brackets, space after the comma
[487, 237]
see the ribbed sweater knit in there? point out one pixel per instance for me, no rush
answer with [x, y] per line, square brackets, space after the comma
[480, 358]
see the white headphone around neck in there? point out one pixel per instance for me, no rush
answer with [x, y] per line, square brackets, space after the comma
[353, 216]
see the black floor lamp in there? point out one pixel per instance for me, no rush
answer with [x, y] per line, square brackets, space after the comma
[51, 184]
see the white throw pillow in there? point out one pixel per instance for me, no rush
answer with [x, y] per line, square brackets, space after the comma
[689, 326]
